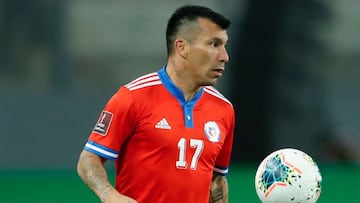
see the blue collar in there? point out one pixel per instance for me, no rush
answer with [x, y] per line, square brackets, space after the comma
[187, 106]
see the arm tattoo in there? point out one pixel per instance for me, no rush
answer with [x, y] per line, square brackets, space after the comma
[92, 172]
[219, 190]
[217, 194]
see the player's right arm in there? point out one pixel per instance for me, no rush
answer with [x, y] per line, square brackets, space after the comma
[91, 170]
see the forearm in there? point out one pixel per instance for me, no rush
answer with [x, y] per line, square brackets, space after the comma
[91, 170]
[219, 191]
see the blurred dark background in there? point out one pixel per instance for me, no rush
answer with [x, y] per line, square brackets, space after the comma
[293, 76]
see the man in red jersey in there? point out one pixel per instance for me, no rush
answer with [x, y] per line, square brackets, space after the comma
[170, 132]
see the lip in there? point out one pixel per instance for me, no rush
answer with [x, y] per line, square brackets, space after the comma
[219, 68]
[218, 71]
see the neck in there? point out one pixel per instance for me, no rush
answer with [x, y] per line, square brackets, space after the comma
[178, 76]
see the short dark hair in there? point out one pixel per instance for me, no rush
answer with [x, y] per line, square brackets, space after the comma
[186, 16]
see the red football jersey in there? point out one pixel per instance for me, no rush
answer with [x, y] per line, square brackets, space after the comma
[165, 149]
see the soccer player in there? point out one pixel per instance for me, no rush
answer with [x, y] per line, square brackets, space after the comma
[170, 132]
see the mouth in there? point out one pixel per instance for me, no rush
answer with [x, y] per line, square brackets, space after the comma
[218, 71]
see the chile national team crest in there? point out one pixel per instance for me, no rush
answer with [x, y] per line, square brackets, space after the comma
[212, 131]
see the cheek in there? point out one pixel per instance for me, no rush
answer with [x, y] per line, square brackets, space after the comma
[201, 57]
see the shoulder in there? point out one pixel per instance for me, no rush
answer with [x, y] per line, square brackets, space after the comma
[132, 90]
[139, 90]
[148, 80]
[210, 90]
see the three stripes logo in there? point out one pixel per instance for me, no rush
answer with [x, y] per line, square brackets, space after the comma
[163, 124]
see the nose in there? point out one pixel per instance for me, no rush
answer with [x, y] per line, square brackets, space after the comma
[224, 56]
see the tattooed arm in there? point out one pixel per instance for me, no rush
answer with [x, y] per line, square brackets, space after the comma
[91, 170]
[219, 190]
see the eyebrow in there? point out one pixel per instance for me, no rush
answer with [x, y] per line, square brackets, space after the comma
[218, 39]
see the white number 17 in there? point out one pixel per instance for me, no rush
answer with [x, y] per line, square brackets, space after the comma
[194, 143]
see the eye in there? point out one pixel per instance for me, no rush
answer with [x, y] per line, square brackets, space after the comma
[214, 44]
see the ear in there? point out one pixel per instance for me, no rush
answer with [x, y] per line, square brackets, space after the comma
[181, 47]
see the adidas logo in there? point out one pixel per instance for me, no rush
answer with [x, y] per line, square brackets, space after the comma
[163, 124]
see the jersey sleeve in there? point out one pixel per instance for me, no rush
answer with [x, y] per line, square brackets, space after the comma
[223, 159]
[113, 127]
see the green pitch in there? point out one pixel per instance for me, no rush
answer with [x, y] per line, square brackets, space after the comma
[340, 184]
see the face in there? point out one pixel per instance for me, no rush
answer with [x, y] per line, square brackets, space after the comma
[207, 54]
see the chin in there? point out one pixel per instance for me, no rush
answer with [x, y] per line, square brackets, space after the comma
[210, 83]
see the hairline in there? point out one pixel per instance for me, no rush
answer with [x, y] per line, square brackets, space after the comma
[187, 31]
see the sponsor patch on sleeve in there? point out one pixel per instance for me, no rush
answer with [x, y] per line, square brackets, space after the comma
[103, 124]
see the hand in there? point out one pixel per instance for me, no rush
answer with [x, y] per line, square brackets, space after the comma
[114, 196]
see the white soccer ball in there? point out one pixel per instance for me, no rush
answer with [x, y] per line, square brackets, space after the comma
[286, 176]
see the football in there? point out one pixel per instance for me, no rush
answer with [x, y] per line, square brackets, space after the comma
[288, 175]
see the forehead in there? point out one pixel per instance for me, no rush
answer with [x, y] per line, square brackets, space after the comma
[211, 30]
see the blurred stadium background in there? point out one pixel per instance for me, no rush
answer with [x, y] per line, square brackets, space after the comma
[293, 78]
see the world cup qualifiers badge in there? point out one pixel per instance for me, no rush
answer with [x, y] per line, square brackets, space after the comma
[212, 131]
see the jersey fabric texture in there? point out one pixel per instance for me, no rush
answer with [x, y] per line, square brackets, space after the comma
[165, 149]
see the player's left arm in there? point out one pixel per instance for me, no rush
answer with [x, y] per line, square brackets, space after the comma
[219, 190]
